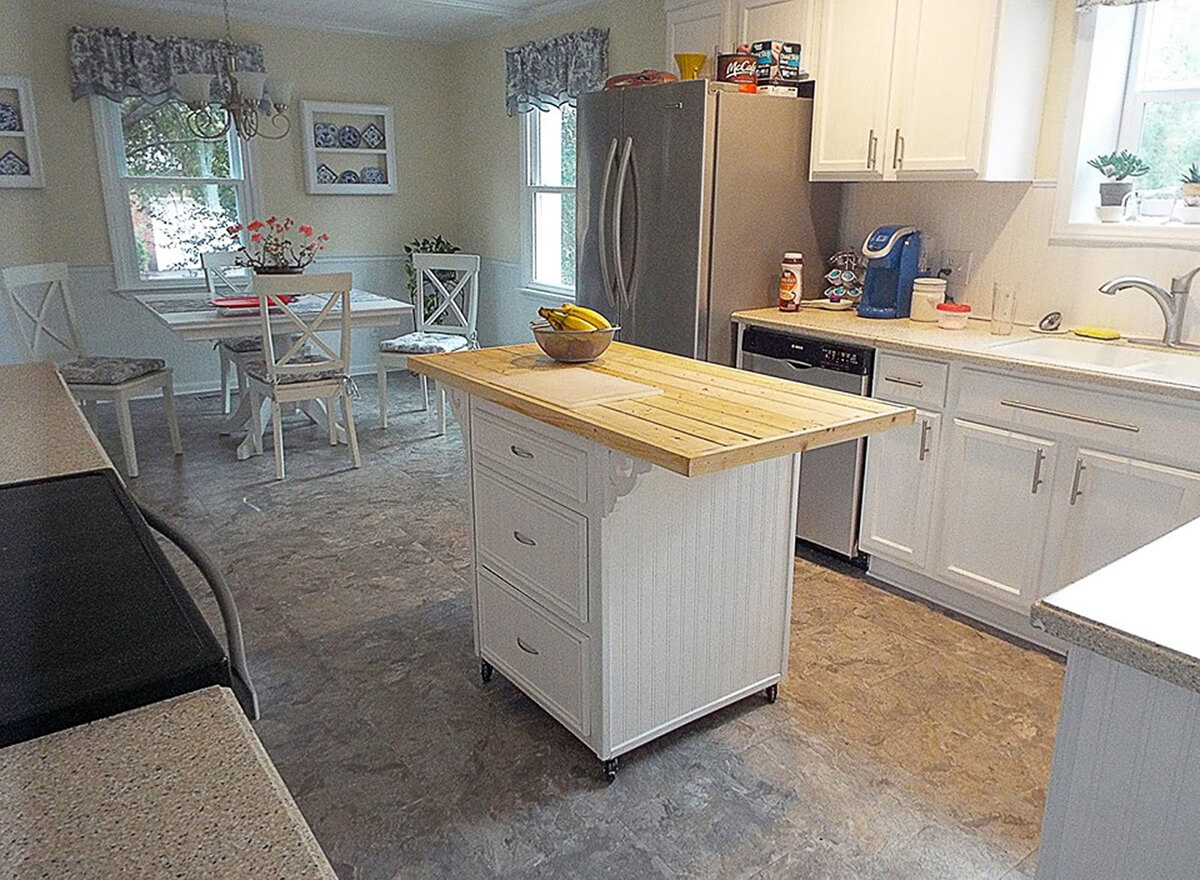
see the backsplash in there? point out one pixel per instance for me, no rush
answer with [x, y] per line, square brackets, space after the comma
[1007, 227]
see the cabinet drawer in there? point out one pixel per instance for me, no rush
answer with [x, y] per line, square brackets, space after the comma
[545, 659]
[532, 542]
[903, 379]
[517, 447]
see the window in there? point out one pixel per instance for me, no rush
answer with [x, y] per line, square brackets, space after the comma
[1136, 87]
[548, 199]
[169, 195]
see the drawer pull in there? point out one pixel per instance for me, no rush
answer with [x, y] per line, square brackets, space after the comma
[528, 542]
[524, 647]
[1076, 492]
[1075, 417]
[925, 427]
[911, 383]
[521, 453]
[1037, 470]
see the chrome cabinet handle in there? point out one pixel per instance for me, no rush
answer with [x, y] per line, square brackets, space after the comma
[601, 243]
[911, 383]
[872, 148]
[1037, 470]
[524, 647]
[1076, 492]
[925, 429]
[898, 152]
[1075, 417]
[528, 542]
[520, 453]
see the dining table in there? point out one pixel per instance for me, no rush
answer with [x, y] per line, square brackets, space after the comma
[193, 317]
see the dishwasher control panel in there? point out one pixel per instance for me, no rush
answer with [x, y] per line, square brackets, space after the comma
[809, 351]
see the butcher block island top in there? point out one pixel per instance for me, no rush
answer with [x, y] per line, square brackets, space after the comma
[687, 416]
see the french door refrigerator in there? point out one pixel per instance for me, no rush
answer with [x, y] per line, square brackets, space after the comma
[687, 199]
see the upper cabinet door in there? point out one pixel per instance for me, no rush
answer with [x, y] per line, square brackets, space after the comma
[941, 82]
[794, 21]
[851, 107]
[698, 27]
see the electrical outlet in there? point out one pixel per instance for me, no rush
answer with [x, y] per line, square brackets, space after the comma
[959, 264]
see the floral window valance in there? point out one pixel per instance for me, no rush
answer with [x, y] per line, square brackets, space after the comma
[119, 65]
[1083, 5]
[549, 73]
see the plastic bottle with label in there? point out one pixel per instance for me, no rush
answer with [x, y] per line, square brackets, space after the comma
[791, 281]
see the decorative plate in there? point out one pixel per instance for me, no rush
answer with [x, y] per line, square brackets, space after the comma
[13, 165]
[371, 174]
[325, 174]
[10, 118]
[372, 137]
[348, 177]
[325, 135]
[349, 137]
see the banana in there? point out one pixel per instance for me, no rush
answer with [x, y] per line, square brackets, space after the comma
[561, 319]
[593, 317]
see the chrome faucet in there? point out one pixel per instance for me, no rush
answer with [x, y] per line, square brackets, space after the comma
[1173, 302]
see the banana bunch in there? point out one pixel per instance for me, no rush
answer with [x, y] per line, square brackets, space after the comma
[573, 317]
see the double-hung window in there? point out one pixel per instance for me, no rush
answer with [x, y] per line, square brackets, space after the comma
[169, 195]
[548, 200]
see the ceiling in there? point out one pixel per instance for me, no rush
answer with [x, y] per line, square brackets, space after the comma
[438, 20]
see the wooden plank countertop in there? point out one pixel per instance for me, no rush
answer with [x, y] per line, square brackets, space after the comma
[708, 418]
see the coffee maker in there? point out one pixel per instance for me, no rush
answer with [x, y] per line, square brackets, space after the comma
[893, 254]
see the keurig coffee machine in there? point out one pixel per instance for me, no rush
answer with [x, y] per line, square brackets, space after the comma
[893, 254]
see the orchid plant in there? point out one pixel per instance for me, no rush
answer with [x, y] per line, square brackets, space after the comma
[271, 245]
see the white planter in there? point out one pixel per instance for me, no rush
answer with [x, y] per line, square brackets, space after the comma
[1189, 213]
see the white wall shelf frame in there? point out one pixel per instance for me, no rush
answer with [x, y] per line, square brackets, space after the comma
[22, 142]
[343, 159]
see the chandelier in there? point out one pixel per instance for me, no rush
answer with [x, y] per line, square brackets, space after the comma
[253, 98]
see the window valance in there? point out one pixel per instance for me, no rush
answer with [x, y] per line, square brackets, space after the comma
[549, 73]
[119, 65]
[1082, 5]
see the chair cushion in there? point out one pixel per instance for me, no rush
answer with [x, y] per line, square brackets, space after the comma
[258, 369]
[243, 344]
[108, 370]
[423, 343]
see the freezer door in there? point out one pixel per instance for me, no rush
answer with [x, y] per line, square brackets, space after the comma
[661, 215]
[598, 135]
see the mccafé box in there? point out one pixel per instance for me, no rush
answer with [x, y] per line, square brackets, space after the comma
[737, 68]
[778, 63]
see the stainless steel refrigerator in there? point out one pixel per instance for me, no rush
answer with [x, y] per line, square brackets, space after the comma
[688, 198]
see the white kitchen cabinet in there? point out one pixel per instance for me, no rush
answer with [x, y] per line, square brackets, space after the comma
[934, 89]
[792, 20]
[898, 490]
[996, 501]
[698, 27]
[722, 24]
[1116, 505]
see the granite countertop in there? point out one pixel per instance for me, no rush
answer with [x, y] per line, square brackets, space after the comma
[975, 344]
[180, 788]
[1141, 610]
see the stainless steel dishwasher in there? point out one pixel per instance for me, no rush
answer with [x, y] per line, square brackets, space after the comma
[830, 478]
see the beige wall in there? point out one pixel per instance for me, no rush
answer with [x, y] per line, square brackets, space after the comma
[1062, 59]
[65, 221]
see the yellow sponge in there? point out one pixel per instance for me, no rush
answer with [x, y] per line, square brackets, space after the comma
[1097, 333]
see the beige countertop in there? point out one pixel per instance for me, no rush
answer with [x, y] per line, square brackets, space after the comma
[180, 788]
[701, 418]
[975, 344]
[1141, 610]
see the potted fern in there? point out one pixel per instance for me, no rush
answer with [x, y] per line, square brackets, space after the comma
[1189, 188]
[1118, 168]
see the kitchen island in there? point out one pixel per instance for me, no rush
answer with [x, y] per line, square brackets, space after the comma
[633, 528]
[1124, 793]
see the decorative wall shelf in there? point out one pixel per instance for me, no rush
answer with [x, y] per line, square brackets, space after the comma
[20, 153]
[349, 149]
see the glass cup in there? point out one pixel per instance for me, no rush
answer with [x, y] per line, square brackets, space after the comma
[1004, 308]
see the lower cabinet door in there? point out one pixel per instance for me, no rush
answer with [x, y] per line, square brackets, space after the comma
[996, 494]
[545, 659]
[1117, 505]
[898, 490]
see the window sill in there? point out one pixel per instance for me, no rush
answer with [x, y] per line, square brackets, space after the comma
[557, 297]
[1127, 234]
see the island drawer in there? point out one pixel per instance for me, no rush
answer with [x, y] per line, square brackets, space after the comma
[517, 446]
[532, 542]
[547, 660]
[917, 381]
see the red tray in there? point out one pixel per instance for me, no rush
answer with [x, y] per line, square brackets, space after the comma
[247, 302]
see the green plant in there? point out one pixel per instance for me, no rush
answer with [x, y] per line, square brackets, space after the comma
[1118, 166]
[1192, 175]
[435, 245]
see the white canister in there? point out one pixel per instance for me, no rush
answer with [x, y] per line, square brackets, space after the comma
[928, 293]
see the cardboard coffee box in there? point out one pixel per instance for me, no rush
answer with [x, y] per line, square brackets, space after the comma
[778, 62]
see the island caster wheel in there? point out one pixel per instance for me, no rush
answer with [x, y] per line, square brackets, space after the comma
[485, 671]
[772, 693]
[610, 769]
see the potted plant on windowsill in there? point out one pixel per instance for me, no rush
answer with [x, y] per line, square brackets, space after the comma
[271, 250]
[1189, 188]
[1117, 168]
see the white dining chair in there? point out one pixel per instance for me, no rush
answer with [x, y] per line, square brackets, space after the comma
[322, 374]
[447, 312]
[43, 321]
[224, 277]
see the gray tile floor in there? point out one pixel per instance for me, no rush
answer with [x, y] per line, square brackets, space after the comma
[904, 744]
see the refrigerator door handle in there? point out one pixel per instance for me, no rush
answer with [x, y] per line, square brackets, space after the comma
[601, 242]
[618, 203]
